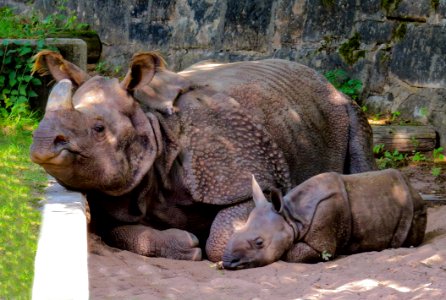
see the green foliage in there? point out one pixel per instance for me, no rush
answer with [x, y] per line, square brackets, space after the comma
[341, 81]
[417, 157]
[325, 255]
[387, 159]
[437, 154]
[21, 189]
[394, 115]
[364, 108]
[35, 26]
[436, 171]
[390, 159]
[17, 82]
[378, 148]
[350, 50]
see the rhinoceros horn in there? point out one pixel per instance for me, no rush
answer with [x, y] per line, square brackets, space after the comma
[60, 96]
[257, 193]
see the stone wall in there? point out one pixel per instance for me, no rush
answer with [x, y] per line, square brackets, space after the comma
[396, 47]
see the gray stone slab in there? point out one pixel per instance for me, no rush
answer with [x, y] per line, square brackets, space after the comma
[60, 270]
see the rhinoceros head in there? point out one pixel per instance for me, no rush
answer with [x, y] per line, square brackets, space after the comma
[265, 236]
[97, 137]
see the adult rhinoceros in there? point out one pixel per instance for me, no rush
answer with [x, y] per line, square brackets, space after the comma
[182, 155]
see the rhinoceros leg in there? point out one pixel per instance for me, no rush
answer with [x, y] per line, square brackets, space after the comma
[302, 253]
[143, 240]
[360, 145]
[224, 225]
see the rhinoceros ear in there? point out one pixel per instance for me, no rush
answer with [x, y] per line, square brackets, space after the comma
[277, 200]
[257, 193]
[142, 69]
[50, 62]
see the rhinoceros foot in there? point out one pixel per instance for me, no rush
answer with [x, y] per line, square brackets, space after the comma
[143, 240]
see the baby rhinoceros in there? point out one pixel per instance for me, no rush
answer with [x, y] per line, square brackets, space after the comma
[327, 215]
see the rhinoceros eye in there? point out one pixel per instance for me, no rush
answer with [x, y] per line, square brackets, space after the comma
[98, 128]
[258, 242]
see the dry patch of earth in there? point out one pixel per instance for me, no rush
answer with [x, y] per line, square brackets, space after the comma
[404, 273]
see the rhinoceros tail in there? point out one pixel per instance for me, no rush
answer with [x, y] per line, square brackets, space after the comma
[360, 145]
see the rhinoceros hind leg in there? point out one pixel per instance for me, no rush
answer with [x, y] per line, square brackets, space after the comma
[302, 253]
[224, 225]
[360, 153]
[143, 240]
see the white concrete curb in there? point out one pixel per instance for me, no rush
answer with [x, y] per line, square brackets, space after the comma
[60, 269]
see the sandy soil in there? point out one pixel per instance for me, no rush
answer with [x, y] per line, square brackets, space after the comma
[404, 273]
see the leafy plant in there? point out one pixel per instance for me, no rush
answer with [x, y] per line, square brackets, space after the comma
[394, 115]
[378, 148]
[417, 157]
[436, 171]
[325, 255]
[18, 84]
[341, 81]
[390, 159]
[437, 154]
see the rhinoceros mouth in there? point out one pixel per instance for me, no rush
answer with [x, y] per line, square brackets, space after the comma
[238, 263]
[60, 158]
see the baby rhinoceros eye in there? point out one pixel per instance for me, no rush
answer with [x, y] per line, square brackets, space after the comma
[258, 242]
[98, 128]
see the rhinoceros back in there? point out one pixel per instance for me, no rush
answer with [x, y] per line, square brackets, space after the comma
[386, 211]
[304, 115]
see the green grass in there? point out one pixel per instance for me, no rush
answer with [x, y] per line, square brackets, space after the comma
[21, 188]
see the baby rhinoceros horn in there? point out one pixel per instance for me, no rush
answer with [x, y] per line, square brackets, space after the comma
[257, 193]
[60, 96]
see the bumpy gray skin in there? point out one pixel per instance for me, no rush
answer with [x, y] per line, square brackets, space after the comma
[161, 150]
[327, 215]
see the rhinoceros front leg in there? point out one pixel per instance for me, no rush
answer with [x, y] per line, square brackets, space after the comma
[302, 253]
[224, 225]
[143, 240]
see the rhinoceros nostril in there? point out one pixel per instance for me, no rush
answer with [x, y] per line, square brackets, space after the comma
[60, 140]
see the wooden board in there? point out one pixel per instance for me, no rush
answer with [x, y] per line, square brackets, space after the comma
[405, 138]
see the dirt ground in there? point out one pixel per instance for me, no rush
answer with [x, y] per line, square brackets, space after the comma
[404, 273]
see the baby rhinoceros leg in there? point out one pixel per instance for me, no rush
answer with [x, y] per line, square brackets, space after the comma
[143, 240]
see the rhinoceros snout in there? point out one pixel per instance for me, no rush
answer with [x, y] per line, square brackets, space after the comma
[46, 149]
[231, 263]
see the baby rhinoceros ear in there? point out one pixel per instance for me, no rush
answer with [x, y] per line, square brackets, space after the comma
[277, 200]
[257, 194]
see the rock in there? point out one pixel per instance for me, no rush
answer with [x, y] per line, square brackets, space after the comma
[419, 58]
